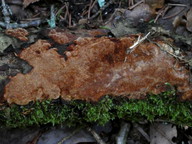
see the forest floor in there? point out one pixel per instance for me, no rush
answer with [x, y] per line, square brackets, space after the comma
[169, 20]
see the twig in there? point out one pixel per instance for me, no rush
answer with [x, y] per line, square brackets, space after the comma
[36, 138]
[23, 25]
[120, 10]
[122, 135]
[180, 5]
[135, 5]
[70, 20]
[165, 9]
[101, 9]
[58, 12]
[167, 17]
[91, 6]
[161, 13]
[96, 136]
[146, 136]
[67, 10]
[139, 41]
[89, 11]
[130, 3]
[69, 136]
[6, 12]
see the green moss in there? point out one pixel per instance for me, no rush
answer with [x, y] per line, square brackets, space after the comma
[164, 106]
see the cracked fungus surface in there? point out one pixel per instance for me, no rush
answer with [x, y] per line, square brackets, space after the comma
[96, 67]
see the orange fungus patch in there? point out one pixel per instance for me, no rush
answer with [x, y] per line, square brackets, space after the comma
[18, 33]
[96, 67]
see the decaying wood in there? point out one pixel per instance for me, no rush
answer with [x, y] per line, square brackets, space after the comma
[96, 67]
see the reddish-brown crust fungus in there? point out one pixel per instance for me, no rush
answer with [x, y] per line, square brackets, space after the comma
[19, 33]
[96, 67]
[61, 36]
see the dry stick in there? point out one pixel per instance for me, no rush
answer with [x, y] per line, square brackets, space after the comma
[90, 8]
[89, 11]
[139, 41]
[166, 9]
[161, 13]
[130, 3]
[67, 10]
[146, 136]
[167, 17]
[121, 10]
[6, 14]
[101, 9]
[69, 136]
[70, 23]
[60, 10]
[138, 3]
[123, 133]
[68, 14]
[93, 4]
[180, 5]
[96, 136]
[24, 25]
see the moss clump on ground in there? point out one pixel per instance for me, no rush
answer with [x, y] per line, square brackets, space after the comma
[164, 106]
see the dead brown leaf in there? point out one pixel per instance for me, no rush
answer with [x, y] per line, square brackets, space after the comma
[28, 2]
[155, 4]
[162, 133]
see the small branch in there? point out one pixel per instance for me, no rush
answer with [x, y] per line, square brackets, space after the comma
[179, 5]
[6, 12]
[96, 136]
[90, 8]
[123, 133]
[139, 41]
[167, 17]
[130, 3]
[6, 24]
[144, 134]
[69, 136]
[23, 25]
[89, 11]
[135, 5]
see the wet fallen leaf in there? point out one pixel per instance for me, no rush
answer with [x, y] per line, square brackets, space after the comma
[28, 2]
[162, 133]
[66, 136]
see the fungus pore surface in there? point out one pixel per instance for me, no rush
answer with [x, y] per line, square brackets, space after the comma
[96, 67]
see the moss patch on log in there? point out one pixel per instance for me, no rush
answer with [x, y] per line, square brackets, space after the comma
[164, 106]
